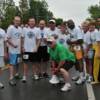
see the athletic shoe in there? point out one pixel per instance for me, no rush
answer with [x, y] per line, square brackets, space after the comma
[36, 77]
[80, 81]
[66, 87]
[90, 79]
[1, 86]
[40, 76]
[17, 76]
[24, 79]
[12, 82]
[54, 80]
[75, 78]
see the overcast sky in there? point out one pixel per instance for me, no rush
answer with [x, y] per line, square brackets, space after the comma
[70, 9]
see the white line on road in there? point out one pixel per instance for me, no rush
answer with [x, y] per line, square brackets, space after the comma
[90, 92]
[89, 87]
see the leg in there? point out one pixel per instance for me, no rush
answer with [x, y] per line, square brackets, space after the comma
[67, 85]
[25, 71]
[65, 74]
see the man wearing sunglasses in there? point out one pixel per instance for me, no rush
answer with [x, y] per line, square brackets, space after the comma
[61, 61]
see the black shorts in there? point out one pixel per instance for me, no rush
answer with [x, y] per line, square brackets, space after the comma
[67, 65]
[29, 57]
[43, 54]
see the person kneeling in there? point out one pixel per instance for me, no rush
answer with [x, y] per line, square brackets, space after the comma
[61, 61]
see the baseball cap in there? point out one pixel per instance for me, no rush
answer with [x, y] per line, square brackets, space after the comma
[52, 21]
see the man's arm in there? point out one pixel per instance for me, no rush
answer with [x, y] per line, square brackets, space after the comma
[10, 43]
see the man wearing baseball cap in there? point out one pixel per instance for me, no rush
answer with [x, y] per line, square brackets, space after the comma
[61, 61]
[53, 30]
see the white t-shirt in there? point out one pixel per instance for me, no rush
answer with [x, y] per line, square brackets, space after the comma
[30, 37]
[14, 35]
[93, 36]
[98, 36]
[86, 40]
[76, 34]
[43, 35]
[53, 32]
[63, 38]
[2, 39]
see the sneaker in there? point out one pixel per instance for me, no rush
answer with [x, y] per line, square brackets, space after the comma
[36, 77]
[12, 82]
[75, 78]
[66, 87]
[90, 79]
[17, 76]
[54, 80]
[24, 79]
[80, 81]
[1, 86]
[40, 76]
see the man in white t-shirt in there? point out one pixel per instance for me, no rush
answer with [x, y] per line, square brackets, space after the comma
[88, 52]
[76, 42]
[43, 56]
[63, 36]
[31, 42]
[53, 30]
[14, 34]
[2, 51]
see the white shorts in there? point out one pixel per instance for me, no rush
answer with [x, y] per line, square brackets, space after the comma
[1, 62]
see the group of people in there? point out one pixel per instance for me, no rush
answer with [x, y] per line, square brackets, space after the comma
[63, 47]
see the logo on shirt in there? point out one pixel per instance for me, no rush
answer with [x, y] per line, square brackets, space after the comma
[62, 41]
[30, 35]
[42, 35]
[17, 35]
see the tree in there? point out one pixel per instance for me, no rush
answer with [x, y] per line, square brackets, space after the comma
[94, 11]
[24, 9]
[10, 11]
[59, 21]
[39, 10]
[27, 8]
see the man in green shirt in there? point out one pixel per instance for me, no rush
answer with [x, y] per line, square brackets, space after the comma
[62, 59]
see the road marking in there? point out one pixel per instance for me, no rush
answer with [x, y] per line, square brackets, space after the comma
[90, 92]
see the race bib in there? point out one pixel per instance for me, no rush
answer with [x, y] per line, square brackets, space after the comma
[77, 48]
[26, 57]
[62, 41]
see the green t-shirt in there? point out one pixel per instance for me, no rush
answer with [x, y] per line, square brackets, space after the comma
[61, 53]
